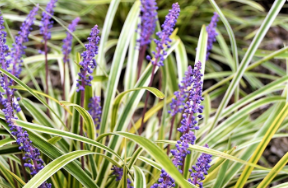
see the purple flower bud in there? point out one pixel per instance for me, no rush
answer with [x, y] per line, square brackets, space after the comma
[200, 169]
[67, 42]
[148, 21]
[46, 22]
[164, 40]
[95, 110]
[211, 30]
[188, 100]
[118, 173]
[18, 48]
[88, 62]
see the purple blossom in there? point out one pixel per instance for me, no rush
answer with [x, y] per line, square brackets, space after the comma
[200, 169]
[211, 30]
[189, 121]
[88, 62]
[177, 104]
[148, 21]
[32, 154]
[17, 49]
[67, 42]
[164, 40]
[191, 92]
[95, 110]
[165, 181]
[118, 173]
[46, 22]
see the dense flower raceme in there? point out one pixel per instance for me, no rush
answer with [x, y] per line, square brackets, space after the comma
[148, 21]
[178, 102]
[95, 110]
[164, 40]
[46, 22]
[32, 154]
[67, 42]
[118, 173]
[17, 49]
[88, 62]
[200, 169]
[211, 30]
[191, 89]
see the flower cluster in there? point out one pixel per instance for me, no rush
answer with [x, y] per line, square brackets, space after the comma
[118, 173]
[177, 104]
[191, 91]
[88, 63]
[148, 21]
[200, 169]
[95, 110]
[164, 40]
[32, 154]
[211, 30]
[46, 22]
[189, 121]
[17, 49]
[164, 181]
[67, 42]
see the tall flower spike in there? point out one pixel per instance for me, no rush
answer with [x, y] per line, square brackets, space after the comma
[32, 154]
[118, 173]
[95, 110]
[211, 30]
[148, 21]
[191, 92]
[46, 22]
[67, 42]
[18, 48]
[88, 62]
[164, 40]
[200, 169]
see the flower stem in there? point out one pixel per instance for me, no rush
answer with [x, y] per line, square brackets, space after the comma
[23, 168]
[81, 124]
[47, 73]
[146, 100]
[141, 59]
[63, 85]
[170, 133]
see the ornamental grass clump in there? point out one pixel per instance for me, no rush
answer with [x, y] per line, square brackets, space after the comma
[101, 129]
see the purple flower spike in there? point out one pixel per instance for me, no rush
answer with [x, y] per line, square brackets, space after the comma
[88, 62]
[177, 104]
[95, 110]
[193, 97]
[18, 48]
[164, 40]
[200, 169]
[67, 42]
[118, 173]
[4, 49]
[148, 21]
[46, 22]
[211, 30]
[32, 154]
[191, 92]
[165, 181]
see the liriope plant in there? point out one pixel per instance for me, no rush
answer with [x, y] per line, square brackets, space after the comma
[85, 130]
